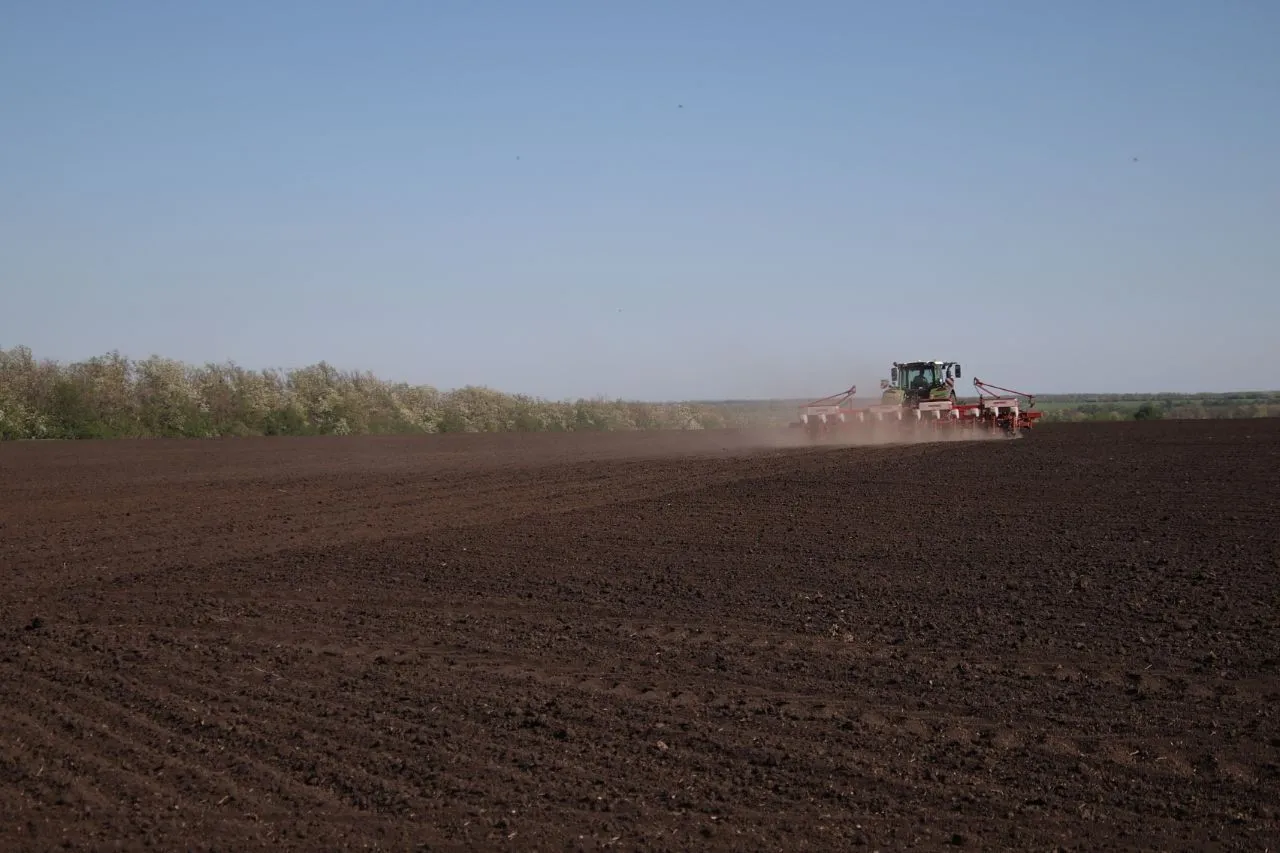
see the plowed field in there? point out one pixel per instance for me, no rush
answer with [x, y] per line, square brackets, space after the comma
[666, 642]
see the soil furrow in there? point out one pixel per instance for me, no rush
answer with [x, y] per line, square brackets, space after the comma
[653, 641]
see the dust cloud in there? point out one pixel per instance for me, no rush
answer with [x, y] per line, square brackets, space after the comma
[867, 436]
[747, 441]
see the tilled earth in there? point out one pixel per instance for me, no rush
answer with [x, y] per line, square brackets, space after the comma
[682, 641]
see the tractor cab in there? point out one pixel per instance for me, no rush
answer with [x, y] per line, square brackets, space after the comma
[916, 382]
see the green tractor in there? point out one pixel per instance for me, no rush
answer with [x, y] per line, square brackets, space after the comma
[916, 382]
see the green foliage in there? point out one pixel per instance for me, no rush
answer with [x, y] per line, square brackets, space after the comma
[1119, 407]
[113, 397]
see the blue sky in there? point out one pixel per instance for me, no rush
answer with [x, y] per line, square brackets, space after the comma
[650, 200]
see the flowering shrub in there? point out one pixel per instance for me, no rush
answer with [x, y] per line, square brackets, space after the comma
[111, 396]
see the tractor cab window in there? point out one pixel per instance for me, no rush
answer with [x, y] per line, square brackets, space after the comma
[922, 377]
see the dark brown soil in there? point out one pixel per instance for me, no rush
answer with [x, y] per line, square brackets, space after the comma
[662, 642]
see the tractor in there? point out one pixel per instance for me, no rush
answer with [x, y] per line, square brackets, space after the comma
[920, 395]
[916, 382]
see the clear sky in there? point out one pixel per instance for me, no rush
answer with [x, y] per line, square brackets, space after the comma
[711, 198]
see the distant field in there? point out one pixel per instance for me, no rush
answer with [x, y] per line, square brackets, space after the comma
[1071, 407]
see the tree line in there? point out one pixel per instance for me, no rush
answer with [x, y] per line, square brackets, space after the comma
[111, 396]
[1252, 404]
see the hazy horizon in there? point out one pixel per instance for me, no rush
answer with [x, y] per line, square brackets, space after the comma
[666, 202]
[866, 394]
